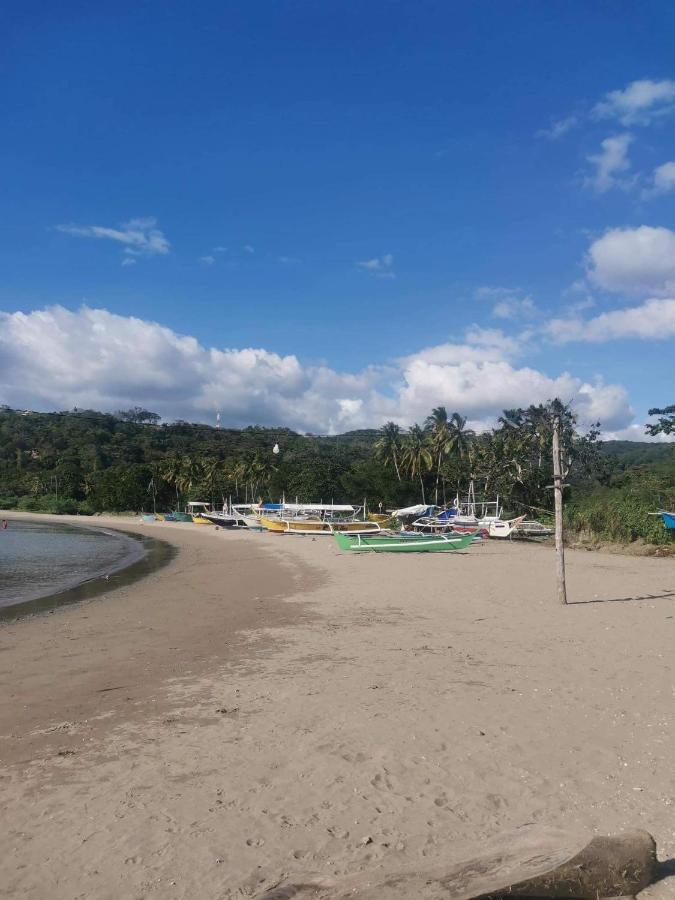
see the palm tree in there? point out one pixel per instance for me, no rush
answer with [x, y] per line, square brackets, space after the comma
[440, 439]
[388, 446]
[417, 456]
[211, 472]
[461, 437]
[171, 473]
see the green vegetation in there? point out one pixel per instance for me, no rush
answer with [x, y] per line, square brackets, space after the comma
[86, 461]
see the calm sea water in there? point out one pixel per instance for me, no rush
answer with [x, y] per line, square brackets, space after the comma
[38, 559]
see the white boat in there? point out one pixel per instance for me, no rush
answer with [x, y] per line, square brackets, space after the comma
[316, 518]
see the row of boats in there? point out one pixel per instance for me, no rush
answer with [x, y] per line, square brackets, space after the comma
[415, 528]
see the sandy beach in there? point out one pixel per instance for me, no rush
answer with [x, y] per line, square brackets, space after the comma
[267, 708]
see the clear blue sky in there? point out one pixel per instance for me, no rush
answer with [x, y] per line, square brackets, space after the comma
[454, 148]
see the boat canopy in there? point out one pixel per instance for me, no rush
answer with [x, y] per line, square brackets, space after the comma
[419, 510]
[310, 507]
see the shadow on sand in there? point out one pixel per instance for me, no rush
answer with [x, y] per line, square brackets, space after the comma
[664, 596]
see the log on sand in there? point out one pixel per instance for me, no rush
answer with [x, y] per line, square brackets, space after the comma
[530, 862]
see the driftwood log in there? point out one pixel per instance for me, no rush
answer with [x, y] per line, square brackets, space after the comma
[530, 862]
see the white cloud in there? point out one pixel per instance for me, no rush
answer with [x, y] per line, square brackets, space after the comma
[558, 128]
[248, 248]
[509, 303]
[639, 103]
[652, 320]
[207, 260]
[288, 260]
[380, 266]
[634, 260]
[140, 237]
[219, 250]
[663, 180]
[91, 358]
[611, 162]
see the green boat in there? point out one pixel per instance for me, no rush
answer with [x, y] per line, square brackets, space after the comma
[181, 516]
[404, 543]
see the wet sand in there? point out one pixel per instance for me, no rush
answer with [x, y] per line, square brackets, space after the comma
[266, 707]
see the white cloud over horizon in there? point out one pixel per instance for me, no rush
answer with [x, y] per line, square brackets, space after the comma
[56, 358]
[652, 320]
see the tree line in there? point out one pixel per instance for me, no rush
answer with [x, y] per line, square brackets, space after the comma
[86, 461]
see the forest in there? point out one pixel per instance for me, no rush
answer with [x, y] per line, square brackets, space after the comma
[84, 461]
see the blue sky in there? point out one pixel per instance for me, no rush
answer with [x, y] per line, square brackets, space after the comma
[398, 205]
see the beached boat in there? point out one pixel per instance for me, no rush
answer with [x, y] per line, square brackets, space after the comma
[316, 525]
[179, 516]
[316, 518]
[197, 511]
[668, 518]
[404, 543]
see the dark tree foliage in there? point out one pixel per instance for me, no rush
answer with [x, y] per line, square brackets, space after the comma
[666, 423]
[87, 461]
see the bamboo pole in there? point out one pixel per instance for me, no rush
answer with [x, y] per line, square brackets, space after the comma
[558, 505]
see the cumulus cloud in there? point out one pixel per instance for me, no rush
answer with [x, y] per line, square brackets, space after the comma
[634, 260]
[610, 163]
[207, 260]
[652, 320]
[56, 358]
[140, 237]
[663, 180]
[639, 103]
[380, 266]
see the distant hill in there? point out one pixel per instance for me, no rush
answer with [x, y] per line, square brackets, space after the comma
[639, 453]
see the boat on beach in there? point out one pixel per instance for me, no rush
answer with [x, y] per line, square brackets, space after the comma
[404, 543]
[668, 518]
[315, 519]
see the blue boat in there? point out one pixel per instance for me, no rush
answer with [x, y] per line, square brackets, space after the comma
[668, 518]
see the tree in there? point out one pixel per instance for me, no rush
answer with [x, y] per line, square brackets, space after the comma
[417, 456]
[440, 439]
[388, 446]
[138, 416]
[665, 425]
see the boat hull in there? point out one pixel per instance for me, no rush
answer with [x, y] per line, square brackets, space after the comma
[668, 519]
[421, 543]
[317, 526]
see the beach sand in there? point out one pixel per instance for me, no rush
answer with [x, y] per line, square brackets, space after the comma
[266, 707]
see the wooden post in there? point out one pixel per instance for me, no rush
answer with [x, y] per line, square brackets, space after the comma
[558, 500]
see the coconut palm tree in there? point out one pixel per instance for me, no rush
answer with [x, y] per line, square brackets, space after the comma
[416, 456]
[440, 439]
[461, 437]
[388, 446]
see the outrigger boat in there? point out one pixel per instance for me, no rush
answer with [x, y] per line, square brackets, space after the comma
[316, 518]
[197, 512]
[404, 543]
[467, 516]
[668, 518]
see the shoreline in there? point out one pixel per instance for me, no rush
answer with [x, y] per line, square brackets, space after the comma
[267, 708]
[154, 554]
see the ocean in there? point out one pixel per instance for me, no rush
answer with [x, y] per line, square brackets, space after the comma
[41, 559]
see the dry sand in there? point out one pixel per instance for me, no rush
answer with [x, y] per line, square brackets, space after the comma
[266, 707]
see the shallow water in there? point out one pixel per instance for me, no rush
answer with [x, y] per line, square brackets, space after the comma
[39, 559]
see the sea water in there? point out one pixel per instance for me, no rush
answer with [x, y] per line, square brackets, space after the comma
[40, 559]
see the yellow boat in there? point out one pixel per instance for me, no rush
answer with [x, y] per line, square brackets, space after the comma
[300, 525]
[195, 509]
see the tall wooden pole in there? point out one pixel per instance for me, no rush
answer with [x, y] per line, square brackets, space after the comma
[558, 499]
